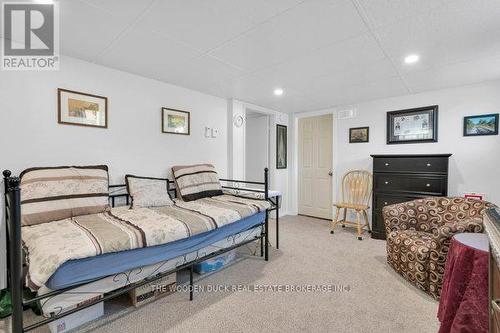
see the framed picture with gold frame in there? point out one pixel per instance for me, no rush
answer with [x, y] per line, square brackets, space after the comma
[175, 121]
[81, 109]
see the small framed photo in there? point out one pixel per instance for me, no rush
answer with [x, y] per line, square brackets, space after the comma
[281, 147]
[77, 108]
[417, 125]
[359, 134]
[486, 124]
[175, 121]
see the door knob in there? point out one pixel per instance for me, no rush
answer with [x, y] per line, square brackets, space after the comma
[330, 173]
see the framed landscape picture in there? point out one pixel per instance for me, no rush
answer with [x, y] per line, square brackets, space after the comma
[417, 125]
[486, 124]
[359, 134]
[281, 147]
[77, 108]
[175, 121]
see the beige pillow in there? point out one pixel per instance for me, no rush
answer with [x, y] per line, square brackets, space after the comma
[56, 193]
[196, 181]
[147, 191]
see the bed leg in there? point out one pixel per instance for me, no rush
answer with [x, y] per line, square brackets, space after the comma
[277, 225]
[266, 238]
[16, 278]
[191, 285]
[266, 225]
[262, 247]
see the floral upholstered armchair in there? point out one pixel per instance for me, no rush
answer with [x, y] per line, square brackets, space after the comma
[419, 233]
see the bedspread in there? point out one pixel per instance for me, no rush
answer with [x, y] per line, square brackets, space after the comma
[47, 246]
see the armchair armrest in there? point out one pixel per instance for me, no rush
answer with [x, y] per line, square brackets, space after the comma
[440, 244]
[447, 230]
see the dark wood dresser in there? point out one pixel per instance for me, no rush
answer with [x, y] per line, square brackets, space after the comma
[400, 178]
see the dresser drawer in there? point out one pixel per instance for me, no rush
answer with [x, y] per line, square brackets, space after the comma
[382, 200]
[418, 184]
[411, 164]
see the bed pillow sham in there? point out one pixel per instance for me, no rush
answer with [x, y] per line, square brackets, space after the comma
[147, 191]
[196, 181]
[56, 193]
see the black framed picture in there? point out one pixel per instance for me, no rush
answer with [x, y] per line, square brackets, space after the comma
[175, 121]
[281, 147]
[81, 109]
[359, 134]
[485, 124]
[418, 125]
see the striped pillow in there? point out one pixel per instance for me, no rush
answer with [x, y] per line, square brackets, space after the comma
[51, 194]
[147, 192]
[196, 181]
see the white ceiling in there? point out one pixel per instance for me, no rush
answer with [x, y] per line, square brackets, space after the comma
[323, 53]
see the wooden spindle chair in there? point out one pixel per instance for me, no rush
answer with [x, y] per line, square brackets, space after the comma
[356, 193]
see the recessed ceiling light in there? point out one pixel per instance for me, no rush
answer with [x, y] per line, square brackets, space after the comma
[278, 91]
[412, 58]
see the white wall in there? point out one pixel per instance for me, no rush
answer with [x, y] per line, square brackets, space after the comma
[133, 143]
[474, 165]
[256, 146]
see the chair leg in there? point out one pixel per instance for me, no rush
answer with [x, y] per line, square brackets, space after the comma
[335, 220]
[358, 224]
[345, 216]
[365, 214]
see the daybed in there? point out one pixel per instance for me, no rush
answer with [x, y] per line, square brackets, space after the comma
[79, 249]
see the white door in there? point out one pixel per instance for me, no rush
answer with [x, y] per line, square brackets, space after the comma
[315, 166]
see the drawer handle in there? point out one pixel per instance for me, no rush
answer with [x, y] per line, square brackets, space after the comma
[387, 164]
[428, 164]
[428, 185]
[494, 305]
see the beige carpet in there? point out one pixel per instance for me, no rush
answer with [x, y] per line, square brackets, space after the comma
[377, 299]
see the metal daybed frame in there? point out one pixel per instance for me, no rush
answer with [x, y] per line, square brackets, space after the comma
[15, 254]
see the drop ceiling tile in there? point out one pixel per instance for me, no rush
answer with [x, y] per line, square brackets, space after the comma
[384, 12]
[302, 29]
[351, 54]
[479, 70]
[376, 72]
[125, 9]
[349, 94]
[450, 34]
[203, 73]
[205, 24]
[86, 30]
[146, 53]
[251, 89]
[289, 104]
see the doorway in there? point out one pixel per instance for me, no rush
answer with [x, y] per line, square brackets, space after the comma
[256, 145]
[315, 139]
